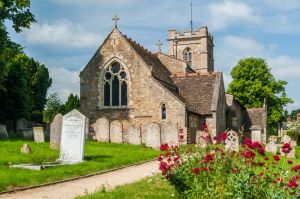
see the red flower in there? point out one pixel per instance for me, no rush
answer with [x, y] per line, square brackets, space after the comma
[286, 148]
[290, 161]
[248, 154]
[296, 168]
[292, 184]
[267, 158]
[196, 170]
[204, 127]
[209, 158]
[248, 142]
[276, 157]
[215, 138]
[223, 136]
[164, 147]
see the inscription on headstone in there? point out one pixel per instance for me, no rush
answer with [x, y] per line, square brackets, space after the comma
[72, 137]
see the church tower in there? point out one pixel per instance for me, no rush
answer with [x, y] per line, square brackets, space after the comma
[193, 47]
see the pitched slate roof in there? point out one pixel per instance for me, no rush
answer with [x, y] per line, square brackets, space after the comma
[256, 117]
[197, 89]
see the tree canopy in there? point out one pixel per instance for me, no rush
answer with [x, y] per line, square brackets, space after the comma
[253, 82]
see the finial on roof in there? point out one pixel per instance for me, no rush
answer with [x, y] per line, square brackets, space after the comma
[159, 44]
[115, 19]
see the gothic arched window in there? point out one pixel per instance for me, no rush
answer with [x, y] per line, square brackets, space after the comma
[187, 56]
[115, 86]
[163, 112]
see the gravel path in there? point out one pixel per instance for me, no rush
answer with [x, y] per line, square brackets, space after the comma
[70, 189]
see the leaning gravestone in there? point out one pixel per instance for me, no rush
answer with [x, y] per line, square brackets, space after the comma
[152, 132]
[72, 137]
[21, 124]
[101, 128]
[134, 135]
[116, 135]
[3, 132]
[38, 134]
[55, 131]
[170, 134]
[232, 141]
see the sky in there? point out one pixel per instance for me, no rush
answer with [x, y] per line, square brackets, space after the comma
[68, 32]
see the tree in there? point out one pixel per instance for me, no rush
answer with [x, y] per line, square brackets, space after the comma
[294, 114]
[53, 107]
[253, 82]
[73, 102]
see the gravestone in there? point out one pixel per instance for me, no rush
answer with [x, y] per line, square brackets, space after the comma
[126, 125]
[25, 149]
[144, 133]
[292, 154]
[3, 132]
[134, 135]
[273, 138]
[55, 131]
[170, 134]
[152, 138]
[72, 137]
[232, 141]
[286, 139]
[101, 128]
[38, 134]
[27, 134]
[87, 129]
[271, 147]
[202, 138]
[182, 135]
[256, 135]
[21, 124]
[116, 135]
[9, 125]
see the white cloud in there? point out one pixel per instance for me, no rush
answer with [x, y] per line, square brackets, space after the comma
[284, 5]
[285, 67]
[61, 34]
[93, 2]
[64, 82]
[228, 12]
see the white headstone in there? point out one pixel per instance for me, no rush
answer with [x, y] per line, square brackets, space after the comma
[134, 135]
[116, 135]
[256, 135]
[292, 154]
[170, 134]
[101, 128]
[152, 132]
[55, 131]
[202, 138]
[232, 141]
[3, 132]
[72, 137]
[21, 124]
[38, 134]
[286, 139]
[271, 147]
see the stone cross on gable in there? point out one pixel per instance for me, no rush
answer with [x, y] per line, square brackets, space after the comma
[115, 19]
[159, 44]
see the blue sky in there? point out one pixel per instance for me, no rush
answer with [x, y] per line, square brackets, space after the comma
[68, 32]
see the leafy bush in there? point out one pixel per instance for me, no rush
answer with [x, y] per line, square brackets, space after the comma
[212, 172]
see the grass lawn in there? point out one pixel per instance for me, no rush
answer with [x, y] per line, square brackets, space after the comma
[98, 157]
[151, 188]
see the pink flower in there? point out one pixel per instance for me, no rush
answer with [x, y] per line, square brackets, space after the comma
[223, 136]
[209, 158]
[204, 127]
[164, 147]
[296, 168]
[276, 157]
[248, 154]
[292, 184]
[286, 148]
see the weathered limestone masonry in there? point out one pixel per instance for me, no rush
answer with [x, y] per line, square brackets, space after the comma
[146, 93]
[200, 44]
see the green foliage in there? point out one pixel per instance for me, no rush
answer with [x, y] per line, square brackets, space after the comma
[253, 82]
[294, 114]
[294, 131]
[73, 102]
[97, 156]
[53, 107]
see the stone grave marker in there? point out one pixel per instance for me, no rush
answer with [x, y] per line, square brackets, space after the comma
[170, 134]
[101, 128]
[144, 133]
[72, 137]
[87, 129]
[232, 141]
[152, 132]
[271, 147]
[256, 135]
[55, 131]
[3, 132]
[116, 132]
[286, 139]
[292, 154]
[25, 149]
[134, 135]
[21, 124]
[182, 135]
[273, 138]
[202, 138]
[38, 134]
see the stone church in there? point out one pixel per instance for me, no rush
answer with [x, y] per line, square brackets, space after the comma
[124, 81]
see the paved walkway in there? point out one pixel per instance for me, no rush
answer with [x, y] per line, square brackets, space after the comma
[71, 189]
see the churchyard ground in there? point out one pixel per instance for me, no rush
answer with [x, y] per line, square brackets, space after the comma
[97, 157]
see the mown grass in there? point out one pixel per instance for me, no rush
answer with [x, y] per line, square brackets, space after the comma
[97, 156]
[148, 188]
